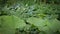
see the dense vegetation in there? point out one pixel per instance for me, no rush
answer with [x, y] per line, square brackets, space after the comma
[29, 16]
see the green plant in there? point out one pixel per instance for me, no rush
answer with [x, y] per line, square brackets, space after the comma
[29, 17]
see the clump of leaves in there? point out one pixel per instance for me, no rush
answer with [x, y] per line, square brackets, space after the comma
[41, 18]
[28, 30]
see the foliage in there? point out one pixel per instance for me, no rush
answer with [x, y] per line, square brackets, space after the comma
[10, 23]
[30, 17]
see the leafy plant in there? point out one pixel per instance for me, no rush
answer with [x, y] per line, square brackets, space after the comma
[29, 17]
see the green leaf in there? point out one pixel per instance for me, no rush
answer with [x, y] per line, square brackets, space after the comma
[10, 23]
[46, 25]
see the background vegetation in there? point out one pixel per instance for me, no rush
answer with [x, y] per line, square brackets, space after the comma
[29, 16]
